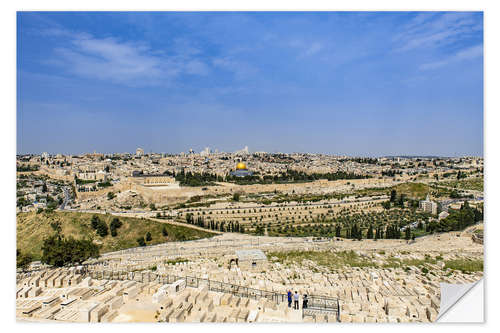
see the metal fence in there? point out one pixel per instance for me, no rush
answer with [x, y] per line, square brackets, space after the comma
[319, 305]
[316, 304]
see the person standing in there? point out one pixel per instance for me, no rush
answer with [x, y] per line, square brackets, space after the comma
[304, 302]
[289, 294]
[296, 300]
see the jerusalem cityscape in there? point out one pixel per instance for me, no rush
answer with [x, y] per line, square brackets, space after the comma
[172, 170]
[222, 236]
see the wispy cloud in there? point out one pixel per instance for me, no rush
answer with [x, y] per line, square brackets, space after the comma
[196, 67]
[306, 48]
[466, 54]
[241, 69]
[313, 49]
[441, 38]
[431, 30]
[123, 62]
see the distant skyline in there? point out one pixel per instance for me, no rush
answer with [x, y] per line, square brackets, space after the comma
[251, 152]
[343, 83]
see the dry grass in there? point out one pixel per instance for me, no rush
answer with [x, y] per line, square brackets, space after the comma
[413, 190]
[334, 260]
[410, 190]
[476, 184]
[465, 265]
[33, 228]
[328, 259]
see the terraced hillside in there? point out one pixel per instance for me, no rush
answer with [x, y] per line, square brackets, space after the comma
[33, 228]
[413, 190]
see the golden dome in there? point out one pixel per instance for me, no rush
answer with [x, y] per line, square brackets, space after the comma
[241, 166]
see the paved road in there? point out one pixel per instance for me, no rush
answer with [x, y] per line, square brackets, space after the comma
[187, 225]
[67, 198]
[96, 211]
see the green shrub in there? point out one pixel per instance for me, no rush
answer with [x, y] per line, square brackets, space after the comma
[141, 241]
[59, 251]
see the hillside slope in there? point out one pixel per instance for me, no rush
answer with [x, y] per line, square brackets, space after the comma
[33, 228]
[413, 190]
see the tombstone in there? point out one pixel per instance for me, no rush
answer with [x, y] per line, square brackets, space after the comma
[308, 319]
[251, 260]
[116, 302]
[431, 314]
[210, 318]
[130, 293]
[109, 316]
[320, 318]
[187, 308]
[244, 302]
[252, 316]
[345, 318]
[235, 302]
[45, 279]
[159, 297]
[24, 292]
[225, 299]
[19, 291]
[50, 302]
[178, 316]
[58, 281]
[31, 309]
[97, 313]
[73, 280]
[34, 291]
[51, 281]
[199, 317]
[201, 296]
[176, 287]
[261, 303]
[331, 318]
[243, 315]
[34, 282]
[160, 294]
[269, 305]
[208, 304]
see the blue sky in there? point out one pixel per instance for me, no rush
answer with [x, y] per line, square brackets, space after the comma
[361, 83]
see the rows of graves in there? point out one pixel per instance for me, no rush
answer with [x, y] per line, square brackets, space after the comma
[64, 295]
[124, 286]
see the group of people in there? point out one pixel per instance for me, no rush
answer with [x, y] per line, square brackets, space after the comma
[295, 298]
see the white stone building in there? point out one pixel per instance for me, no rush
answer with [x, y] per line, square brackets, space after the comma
[428, 206]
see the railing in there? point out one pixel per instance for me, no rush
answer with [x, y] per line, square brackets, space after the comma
[316, 304]
[322, 305]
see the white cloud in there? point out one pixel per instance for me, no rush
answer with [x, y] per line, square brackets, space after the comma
[130, 63]
[465, 54]
[472, 52]
[430, 30]
[306, 49]
[313, 49]
[241, 70]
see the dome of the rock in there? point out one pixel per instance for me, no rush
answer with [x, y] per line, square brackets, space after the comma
[241, 166]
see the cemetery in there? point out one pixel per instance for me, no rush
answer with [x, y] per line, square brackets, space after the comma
[241, 278]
